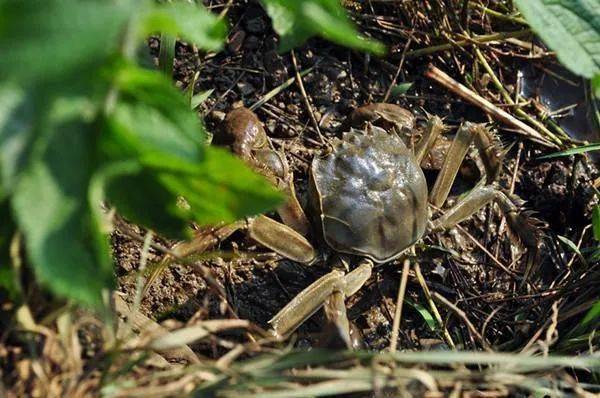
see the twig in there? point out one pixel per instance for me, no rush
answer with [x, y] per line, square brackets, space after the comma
[399, 302]
[445, 80]
[433, 307]
[305, 98]
[265, 98]
[393, 83]
[476, 40]
[463, 316]
[505, 94]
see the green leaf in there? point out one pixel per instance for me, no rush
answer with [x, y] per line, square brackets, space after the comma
[569, 27]
[592, 314]
[151, 121]
[50, 208]
[573, 151]
[166, 54]
[199, 98]
[45, 40]
[297, 21]
[401, 89]
[190, 22]
[596, 222]
[425, 314]
[223, 189]
[596, 85]
[153, 130]
[141, 198]
[16, 134]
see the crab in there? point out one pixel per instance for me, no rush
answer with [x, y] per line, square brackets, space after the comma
[368, 201]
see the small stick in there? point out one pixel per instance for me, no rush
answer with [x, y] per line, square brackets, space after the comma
[463, 316]
[434, 309]
[393, 83]
[476, 40]
[399, 302]
[305, 97]
[445, 80]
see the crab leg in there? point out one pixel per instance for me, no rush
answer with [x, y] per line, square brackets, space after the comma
[281, 239]
[338, 325]
[490, 153]
[432, 131]
[454, 157]
[308, 301]
[480, 196]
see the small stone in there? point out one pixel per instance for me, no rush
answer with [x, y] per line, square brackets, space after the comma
[245, 88]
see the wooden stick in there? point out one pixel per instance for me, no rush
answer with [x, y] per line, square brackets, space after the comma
[399, 302]
[445, 80]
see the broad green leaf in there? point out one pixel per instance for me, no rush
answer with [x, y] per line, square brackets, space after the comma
[141, 198]
[151, 121]
[50, 209]
[45, 40]
[297, 21]
[190, 22]
[16, 133]
[573, 151]
[152, 124]
[223, 189]
[596, 222]
[569, 27]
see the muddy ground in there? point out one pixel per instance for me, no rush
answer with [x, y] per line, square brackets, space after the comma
[258, 283]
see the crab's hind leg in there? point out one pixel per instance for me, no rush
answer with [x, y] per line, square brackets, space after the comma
[521, 224]
[308, 301]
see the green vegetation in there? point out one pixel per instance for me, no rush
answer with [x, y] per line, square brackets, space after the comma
[82, 123]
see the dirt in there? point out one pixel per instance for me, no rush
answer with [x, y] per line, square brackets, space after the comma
[258, 283]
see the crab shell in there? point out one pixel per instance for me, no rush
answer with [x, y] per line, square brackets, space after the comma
[371, 195]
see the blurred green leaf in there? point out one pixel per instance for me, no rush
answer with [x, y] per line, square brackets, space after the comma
[190, 22]
[593, 314]
[153, 125]
[45, 40]
[223, 189]
[199, 98]
[166, 54]
[596, 222]
[573, 151]
[569, 27]
[151, 121]
[297, 21]
[142, 199]
[596, 85]
[219, 189]
[401, 89]
[50, 208]
[16, 133]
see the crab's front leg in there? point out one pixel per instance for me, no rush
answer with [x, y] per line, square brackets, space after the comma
[308, 301]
